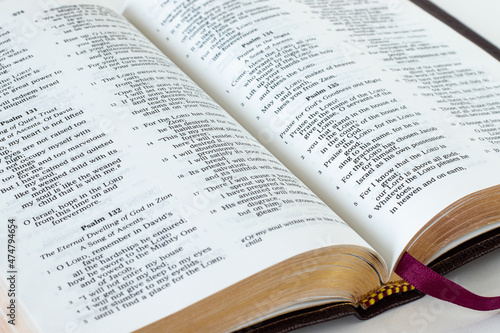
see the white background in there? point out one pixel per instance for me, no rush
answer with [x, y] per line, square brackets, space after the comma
[481, 15]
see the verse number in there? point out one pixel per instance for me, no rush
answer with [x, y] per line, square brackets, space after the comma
[115, 211]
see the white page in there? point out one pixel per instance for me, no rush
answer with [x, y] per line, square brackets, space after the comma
[352, 121]
[133, 193]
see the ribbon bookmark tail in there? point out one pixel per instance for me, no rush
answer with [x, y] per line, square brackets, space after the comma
[431, 283]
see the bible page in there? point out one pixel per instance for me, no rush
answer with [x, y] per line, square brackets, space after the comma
[127, 193]
[386, 113]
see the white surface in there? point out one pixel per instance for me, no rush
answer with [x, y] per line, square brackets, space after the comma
[479, 15]
[480, 276]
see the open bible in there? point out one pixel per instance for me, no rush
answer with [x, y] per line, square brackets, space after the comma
[236, 165]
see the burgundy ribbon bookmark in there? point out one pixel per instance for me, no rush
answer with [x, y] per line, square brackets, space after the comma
[431, 283]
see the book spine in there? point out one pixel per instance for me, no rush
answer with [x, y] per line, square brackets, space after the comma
[383, 292]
